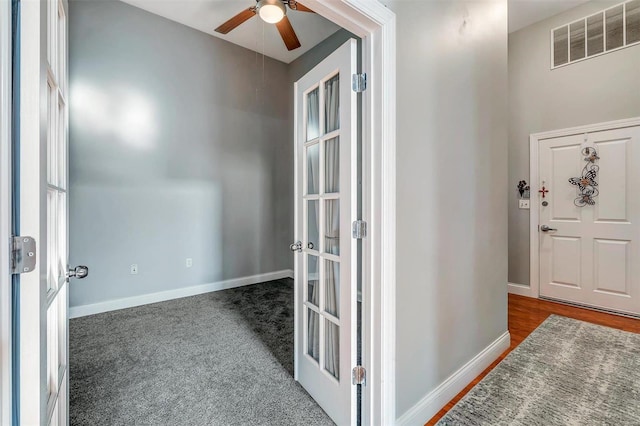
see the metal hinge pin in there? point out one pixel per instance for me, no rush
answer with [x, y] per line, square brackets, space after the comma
[358, 375]
[359, 82]
[359, 229]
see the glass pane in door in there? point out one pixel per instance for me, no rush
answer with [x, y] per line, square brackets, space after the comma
[332, 104]
[332, 348]
[61, 243]
[62, 147]
[313, 280]
[62, 334]
[313, 169]
[313, 229]
[332, 227]
[53, 362]
[313, 334]
[313, 114]
[332, 165]
[52, 145]
[52, 249]
[332, 287]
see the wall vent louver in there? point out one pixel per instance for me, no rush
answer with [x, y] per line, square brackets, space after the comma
[611, 29]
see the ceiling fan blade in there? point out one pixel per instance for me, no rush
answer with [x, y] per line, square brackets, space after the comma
[288, 34]
[236, 20]
[296, 5]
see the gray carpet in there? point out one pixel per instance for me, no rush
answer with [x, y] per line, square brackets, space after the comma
[223, 358]
[567, 372]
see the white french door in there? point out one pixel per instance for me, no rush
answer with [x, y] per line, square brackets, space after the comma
[325, 258]
[6, 101]
[43, 183]
[590, 226]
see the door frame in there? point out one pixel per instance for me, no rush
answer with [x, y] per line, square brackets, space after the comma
[31, 397]
[5, 209]
[375, 24]
[534, 182]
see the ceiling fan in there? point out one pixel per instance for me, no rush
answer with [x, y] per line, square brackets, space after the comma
[272, 12]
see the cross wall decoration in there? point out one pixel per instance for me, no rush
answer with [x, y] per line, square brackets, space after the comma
[587, 184]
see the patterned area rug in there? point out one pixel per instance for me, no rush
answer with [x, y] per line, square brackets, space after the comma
[567, 372]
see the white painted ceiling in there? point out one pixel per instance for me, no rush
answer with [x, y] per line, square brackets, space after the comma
[523, 13]
[206, 15]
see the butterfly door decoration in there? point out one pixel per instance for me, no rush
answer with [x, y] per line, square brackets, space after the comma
[587, 184]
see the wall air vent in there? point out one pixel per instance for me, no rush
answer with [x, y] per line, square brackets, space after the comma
[612, 29]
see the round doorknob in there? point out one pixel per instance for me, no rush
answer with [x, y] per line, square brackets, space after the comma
[78, 272]
[297, 246]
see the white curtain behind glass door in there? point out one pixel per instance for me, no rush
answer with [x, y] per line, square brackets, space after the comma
[332, 226]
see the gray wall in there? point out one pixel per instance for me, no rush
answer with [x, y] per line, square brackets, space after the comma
[212, 171]
[599, 89]
[304, 64]
[176, 150]
[451, 188]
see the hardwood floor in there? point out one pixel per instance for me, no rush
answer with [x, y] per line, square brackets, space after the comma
[526, 314]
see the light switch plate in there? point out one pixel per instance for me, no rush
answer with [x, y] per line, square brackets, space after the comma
[523, 204]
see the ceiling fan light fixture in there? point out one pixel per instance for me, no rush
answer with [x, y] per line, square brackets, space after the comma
[271, 11]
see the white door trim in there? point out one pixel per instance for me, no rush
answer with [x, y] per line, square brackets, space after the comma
[376, 25]
[520, 289]
[534, 179]
[32, 371]
[5, 210]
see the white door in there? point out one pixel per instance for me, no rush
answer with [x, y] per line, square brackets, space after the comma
[43, 360]
[590, 255]
[6, 283]
[326, 205]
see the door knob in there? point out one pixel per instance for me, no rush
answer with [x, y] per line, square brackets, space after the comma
[545, 228]
[297, 246]
[78, 272]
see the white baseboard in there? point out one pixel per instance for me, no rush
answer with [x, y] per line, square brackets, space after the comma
[144, 299]
[429, 406]
[521, 289]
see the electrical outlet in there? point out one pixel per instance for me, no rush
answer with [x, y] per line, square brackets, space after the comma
[523, 204]
[134, 269]
[189, 262]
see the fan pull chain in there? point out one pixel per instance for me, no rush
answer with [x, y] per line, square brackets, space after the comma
[263, 68]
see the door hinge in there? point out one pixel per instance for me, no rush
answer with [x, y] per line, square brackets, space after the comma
[23, 255]
[358, 375]
[359, 230]
[359, 82]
